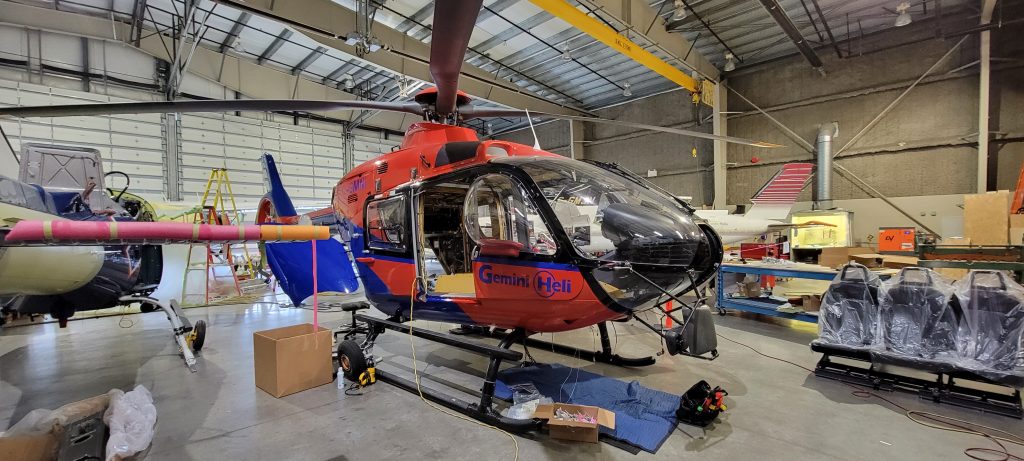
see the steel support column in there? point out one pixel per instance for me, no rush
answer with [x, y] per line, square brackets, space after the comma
[138, 10]
[984, 79]
[718, 126]
[172, 157]
[348, 146]
[984, 94]
[576, 140]
[86, 80]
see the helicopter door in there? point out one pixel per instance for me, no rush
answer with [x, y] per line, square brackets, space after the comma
[445, 256]
[507, 233]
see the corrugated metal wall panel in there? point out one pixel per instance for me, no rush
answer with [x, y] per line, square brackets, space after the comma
[311, 157]
[132, 145]
[310, 160]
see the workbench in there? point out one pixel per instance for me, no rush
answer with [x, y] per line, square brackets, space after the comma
[805, 271]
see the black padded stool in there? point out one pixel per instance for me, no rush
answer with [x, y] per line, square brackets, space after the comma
[355, 328]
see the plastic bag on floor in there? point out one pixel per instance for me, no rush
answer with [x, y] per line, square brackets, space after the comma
[131, 419]
[524, 410]
[522, 393]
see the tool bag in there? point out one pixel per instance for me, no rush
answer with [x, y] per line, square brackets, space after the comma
[701, 405]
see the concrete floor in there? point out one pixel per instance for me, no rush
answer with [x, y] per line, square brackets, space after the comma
[776, 411]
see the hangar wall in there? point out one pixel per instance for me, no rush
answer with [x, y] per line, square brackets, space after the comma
[671, 155]
[910, 153]
[312, 153]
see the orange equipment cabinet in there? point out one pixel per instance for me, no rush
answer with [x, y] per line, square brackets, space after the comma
[896, 239]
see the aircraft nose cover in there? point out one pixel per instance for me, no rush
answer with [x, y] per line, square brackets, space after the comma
[292, 264]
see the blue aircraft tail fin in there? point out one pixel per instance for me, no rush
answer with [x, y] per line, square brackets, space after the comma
[292, 264]
[275, 188]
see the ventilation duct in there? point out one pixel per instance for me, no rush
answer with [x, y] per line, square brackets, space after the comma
[823, 178]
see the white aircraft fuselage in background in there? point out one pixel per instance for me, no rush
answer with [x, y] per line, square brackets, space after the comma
[771, 206]
[734, 228]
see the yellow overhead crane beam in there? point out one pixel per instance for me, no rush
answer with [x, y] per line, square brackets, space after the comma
[604, 34]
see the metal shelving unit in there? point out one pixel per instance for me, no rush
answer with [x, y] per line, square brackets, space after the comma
[761, 307]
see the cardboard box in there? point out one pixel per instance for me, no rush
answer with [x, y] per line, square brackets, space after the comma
[952, 273]
[750, 289]
[573, 430]
[1016, 229]
[987, 218]
[837, 256]
[34, 447]
[868, 259]
[292, 359]
[957, 241]
[41, 442]
[899, 262]
[811, 303]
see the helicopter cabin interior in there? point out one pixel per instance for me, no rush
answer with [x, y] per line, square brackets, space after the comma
[463, 219]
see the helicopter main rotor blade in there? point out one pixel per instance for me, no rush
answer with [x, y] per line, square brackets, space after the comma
[453, 25]
[482, 112]
[209, 105]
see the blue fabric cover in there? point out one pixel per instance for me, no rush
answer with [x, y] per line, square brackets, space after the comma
[643, 417]
[61, 200]
[292, 264]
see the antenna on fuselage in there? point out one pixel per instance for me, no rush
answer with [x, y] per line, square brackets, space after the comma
[536, 142]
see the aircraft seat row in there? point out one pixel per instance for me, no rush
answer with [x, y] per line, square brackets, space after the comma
[919, 319]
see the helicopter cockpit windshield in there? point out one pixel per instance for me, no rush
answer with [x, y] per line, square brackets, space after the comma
[612, 218]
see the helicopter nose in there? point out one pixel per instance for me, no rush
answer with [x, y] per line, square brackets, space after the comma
[648, 236]
[655, 254]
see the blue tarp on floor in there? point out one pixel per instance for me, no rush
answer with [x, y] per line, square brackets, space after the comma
[643, 417]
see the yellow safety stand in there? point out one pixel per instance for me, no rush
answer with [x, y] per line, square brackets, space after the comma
[218, 261]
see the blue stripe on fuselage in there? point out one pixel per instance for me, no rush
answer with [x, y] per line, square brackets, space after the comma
[436, 308]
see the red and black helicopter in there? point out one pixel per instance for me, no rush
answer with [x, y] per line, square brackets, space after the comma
[489, 233]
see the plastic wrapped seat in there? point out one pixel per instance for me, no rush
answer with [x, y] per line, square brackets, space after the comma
[849, 309]
[917, 319]
[993, 324]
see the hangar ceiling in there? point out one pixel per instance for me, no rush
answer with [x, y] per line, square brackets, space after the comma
[531, 58]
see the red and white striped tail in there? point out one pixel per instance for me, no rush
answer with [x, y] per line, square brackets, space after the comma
[777, 196]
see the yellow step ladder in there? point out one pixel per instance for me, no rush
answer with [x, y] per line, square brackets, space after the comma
[215, 263]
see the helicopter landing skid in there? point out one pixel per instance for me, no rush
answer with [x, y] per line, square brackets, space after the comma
[484, 410]
[605, 355]
[189, 338]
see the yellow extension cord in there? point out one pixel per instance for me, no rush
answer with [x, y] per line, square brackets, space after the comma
[416, 373]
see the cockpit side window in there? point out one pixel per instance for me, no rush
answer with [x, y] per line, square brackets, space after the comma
[387, 226]
[497, 208]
